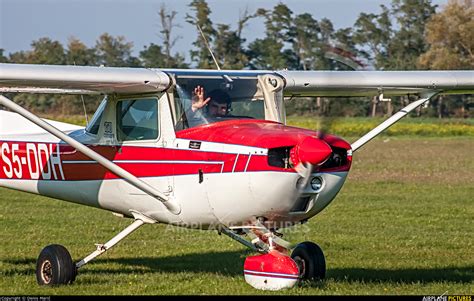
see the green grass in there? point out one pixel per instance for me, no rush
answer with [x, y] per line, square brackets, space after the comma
[73, 119]
[402, 224]
[351, 127]
[358, 126]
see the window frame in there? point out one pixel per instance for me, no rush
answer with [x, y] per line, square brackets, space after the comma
[97, 117]
[158, 126]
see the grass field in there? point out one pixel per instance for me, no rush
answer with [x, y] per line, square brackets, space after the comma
[402, 224]
[358, 126]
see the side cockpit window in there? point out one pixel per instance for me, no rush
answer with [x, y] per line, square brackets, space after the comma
[137, 119]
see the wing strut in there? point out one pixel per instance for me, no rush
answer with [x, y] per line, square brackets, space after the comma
[392, 120]
[119, 171]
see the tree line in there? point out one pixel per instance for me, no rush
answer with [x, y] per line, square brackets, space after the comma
[406, 35]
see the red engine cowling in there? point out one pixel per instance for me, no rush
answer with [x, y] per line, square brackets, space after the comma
[310, 150]
[272, 271]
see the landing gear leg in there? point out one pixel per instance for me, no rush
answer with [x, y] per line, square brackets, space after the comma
[55, 266]
[306, 262]
[274, 269]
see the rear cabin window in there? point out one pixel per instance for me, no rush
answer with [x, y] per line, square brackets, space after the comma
[137, 119]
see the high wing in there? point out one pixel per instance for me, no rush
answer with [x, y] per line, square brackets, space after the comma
[370, 83]
[80, 79]
[115, 80]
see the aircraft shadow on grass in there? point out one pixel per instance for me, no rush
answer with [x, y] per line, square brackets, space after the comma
[230, 263]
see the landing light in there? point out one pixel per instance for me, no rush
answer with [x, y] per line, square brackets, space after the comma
[317, 183]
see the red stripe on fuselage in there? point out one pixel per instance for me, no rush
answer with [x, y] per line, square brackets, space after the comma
[46, 161]
[28, 160]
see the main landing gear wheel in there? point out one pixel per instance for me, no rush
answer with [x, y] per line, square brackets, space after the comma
[55, 266]
[310, 261]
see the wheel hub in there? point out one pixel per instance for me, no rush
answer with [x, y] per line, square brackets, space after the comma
[301, 266]
[46, 271]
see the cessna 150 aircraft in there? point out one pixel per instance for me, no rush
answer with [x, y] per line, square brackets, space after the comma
[148, 156]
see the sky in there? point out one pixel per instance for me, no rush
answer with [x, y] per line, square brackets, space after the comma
[22, 21]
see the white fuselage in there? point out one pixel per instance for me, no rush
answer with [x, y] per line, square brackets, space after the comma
[224, 191]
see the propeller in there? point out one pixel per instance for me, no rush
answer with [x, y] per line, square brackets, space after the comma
[308, 153]
[325, 125]
[342, 54]
[319, 151]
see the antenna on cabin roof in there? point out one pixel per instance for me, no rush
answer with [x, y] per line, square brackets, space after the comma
[207, 45]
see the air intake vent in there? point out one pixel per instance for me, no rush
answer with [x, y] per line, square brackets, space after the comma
[279, 157]
[301, 204]
[338, 158]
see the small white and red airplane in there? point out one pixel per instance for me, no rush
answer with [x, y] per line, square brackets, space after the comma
[147, 154]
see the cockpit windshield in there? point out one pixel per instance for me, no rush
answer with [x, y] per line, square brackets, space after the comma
[207, 100]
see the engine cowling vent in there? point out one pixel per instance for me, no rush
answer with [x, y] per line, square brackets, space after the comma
[338, 158]
[279, 157]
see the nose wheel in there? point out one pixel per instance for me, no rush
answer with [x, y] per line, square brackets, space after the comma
[275, 270]
[309, 258]
[55, 266]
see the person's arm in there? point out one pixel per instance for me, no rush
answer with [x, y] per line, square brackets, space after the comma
[193, 113]
[198, 101]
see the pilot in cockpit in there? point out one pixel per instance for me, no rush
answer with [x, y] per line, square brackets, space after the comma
[216, 104]
[205, 108]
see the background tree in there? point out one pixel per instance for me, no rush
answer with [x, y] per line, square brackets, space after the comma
[407, 34]
[152, 56]
[343, 50]
[306, 42]
[229, 44]
[156, 56]
[408, 43]
[273, 51]
[394, 39]
[78, 54]
[326, 36]
[229, 49]
[201, 18]
[115, 52]
[168, 23]
[3, 59]
[373, 32]
[46, 51]
[19, 57]
[450, 36]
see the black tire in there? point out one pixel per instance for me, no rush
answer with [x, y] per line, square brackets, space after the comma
[310, 260]
[55, 266]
